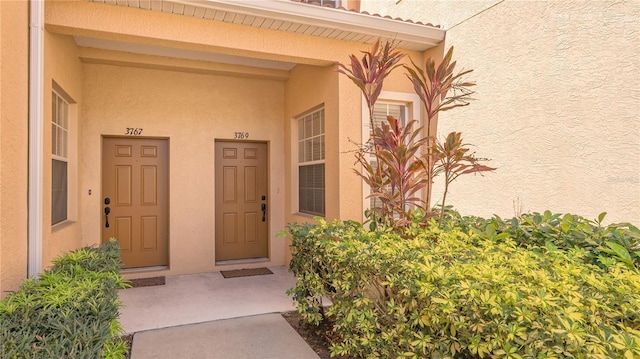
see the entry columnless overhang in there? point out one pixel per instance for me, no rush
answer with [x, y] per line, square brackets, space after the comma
[300, 18]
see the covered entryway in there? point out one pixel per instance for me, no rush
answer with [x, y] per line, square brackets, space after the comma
[241, 200]
[135, 197]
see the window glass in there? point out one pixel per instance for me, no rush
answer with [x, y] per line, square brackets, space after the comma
[59, 164]
[58, 191]
[311, 153]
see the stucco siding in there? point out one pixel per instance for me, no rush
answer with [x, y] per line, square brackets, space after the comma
[192, 111]
[14, 49]
[63, 67]
[557, 104]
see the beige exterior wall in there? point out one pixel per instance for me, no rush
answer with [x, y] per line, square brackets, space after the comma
[14, 50]
[557, 104]
[192, 111]
[63, 67]
[190, 102]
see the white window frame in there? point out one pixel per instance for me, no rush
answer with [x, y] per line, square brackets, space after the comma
[412, 103]
[66, 151]
[299, 162]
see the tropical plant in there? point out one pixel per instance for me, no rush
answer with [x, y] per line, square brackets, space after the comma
[433, 85]
[369, 72]
[452, 159]
[398, 173]
[398, 161]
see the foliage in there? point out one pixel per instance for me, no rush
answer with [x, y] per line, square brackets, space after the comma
[604, 245]
[369, 72]
[464, 294]
[398, 174]
[392, 163]
[452, 158]
[71, 311]
[433, 84]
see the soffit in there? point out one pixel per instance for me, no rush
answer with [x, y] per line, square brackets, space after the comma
[300, 18]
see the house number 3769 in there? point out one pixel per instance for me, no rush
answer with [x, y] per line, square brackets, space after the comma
[241, 135]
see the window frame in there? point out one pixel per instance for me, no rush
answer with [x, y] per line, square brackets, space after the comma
[304, 143]
[63, 150]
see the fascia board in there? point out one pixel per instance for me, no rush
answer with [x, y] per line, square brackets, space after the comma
[285, 10]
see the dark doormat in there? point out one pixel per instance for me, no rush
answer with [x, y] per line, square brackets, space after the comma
[245, 272]
[147, 282]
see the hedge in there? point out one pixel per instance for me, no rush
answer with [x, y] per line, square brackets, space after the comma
[71, 311]
[461, 294]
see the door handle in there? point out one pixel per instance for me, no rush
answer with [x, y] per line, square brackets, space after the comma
[264, 211]
[107, 210]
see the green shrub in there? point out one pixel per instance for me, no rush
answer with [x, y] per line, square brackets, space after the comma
[71, 311]
[451, 293]
[605, 245]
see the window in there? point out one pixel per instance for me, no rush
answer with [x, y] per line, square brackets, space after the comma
[403, 106]
[311, 182]
[59, 158]
[380, 112]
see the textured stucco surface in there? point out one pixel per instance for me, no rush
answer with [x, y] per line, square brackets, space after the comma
[192, 111]
[63, 66]
[14, 49]
[558, 103]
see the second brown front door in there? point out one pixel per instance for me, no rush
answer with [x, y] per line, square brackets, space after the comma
[135, 199]
[241, 200]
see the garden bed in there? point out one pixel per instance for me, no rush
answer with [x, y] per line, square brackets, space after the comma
[472, 289]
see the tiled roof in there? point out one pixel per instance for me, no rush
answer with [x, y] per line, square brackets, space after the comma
[331, 5]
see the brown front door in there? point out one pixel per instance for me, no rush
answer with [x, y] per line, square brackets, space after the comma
[135, 190]
[241, 200]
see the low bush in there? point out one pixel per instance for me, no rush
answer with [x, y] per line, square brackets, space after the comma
[605, 245]
[71, 311]
[461, 294]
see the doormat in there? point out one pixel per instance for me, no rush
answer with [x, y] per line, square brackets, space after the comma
[245, 272]
[146, 282]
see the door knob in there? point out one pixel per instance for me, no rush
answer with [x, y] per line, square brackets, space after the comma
[264, 211]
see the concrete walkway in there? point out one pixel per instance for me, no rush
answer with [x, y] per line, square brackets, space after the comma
[208, 316]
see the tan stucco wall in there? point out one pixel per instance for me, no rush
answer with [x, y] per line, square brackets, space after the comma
[14, 49]
[62, 66]
[192, 111]
[307, 88]
[557, 102]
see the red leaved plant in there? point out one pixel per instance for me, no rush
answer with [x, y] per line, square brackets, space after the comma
[452, 159]
[369, 72]
[392, 163]
[398, 173]
[433, 84]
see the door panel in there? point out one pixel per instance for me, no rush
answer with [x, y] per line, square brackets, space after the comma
[135, 176]
[241, 190]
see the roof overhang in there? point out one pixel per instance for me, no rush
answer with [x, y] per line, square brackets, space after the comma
[297, 17]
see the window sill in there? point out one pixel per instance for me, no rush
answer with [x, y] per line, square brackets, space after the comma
[62, 225]
[307, 215]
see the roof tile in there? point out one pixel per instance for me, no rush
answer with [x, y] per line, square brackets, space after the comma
[331, 5]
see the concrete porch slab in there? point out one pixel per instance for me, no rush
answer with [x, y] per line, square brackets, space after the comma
[198, 298]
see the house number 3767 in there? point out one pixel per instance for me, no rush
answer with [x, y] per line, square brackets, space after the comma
[133, 131]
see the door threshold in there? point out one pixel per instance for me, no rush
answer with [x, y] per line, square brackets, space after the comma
[143, 269]
[241, 261]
